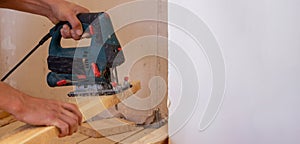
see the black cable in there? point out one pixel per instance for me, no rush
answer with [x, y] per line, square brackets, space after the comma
[41, 42]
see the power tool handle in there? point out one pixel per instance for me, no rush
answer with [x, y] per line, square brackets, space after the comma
[87, 18]
[84, 18]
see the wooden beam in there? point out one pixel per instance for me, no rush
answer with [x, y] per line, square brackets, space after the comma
[114, 139]
[31, 135]
[9, 129]
[3, 114]
[73, 139]
[106, 127]
[97, 141]
[138, 136]
[90, 106]
[27, 134]
[7, 120]
[119, 137]
[158, 136]
[91, 138]
[149, 136]
[114, 128]
[135, 137]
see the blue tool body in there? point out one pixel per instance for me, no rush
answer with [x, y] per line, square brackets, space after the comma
[90, 66]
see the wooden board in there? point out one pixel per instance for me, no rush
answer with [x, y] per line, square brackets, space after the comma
[31, 135]
[149, 136]
[3, 114]
[73, 139]
[120, 137]
[114, 139]
[9, 129]
[36, 135]
[137, 136]
[83, 139]
[158, 136]
[106, 127]
[7, 120]
[92, 105]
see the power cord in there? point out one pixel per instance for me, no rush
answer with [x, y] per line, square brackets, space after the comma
[41, 42]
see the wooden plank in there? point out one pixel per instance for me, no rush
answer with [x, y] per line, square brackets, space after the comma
[73, 139]
[90, 106]
[45, 134]
[97, 141]
[149, 136]
[114, 139]
[3, 114]
[7, 120]
[158, 136]
[31, 135]
[19, 132]
[119, 137]
[136, 136]
[9, 129]
[106, 127]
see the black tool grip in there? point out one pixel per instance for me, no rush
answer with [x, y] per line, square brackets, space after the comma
[88, 18]
[84, 18]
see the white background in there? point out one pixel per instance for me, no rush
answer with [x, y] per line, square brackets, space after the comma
[260, 42]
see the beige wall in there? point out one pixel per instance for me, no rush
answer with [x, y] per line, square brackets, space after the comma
[20, 32]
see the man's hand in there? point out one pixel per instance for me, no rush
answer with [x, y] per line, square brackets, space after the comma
[65, 11]
[36, 111]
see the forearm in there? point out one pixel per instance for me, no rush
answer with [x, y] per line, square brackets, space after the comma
[10, 98]
[54, 10]
[40, 7]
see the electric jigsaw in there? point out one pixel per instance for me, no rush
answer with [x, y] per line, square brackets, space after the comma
[91, 69]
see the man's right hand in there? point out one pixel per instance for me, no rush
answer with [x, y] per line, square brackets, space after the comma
[62, 10]
[36, 111]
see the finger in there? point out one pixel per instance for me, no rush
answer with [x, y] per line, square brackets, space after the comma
[74, 35]
[71, 115]
[65, 31]
[74, 109]
[62, 126]
[76, 30]
[75, 23]
[72, 124]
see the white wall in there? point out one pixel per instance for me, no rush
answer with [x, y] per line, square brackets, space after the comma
[259, 41]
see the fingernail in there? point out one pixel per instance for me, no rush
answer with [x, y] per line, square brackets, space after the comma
[72, 33]
[65, 26]
[66, 31]
[78, 32]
